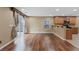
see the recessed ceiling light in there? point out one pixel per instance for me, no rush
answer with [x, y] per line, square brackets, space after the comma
[62, 14]
[23, 9]
[50, 15]
[78, 14]
[57, 9]
[74, 10]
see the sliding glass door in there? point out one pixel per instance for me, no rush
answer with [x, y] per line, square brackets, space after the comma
[20, 34]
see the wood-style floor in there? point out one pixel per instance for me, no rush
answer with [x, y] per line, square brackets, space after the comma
[9, 47]
[47, 42]
[43, 42]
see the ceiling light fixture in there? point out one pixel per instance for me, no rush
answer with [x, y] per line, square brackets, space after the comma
[23, 9]
[78, 14]
[62, 14]
[50, 15]
[74, 10]
[57, 9]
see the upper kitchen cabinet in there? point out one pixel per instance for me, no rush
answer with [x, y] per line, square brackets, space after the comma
[58, 20]
[72, 20]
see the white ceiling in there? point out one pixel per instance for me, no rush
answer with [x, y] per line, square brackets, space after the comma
[50, 11]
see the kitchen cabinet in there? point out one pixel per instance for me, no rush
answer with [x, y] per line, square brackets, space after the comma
[72, 20]
[74, 30]
[69, 34]
[58, 20]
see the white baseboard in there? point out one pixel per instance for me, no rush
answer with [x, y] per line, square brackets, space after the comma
[40, 32]
[58, 36]
[51, 33]
[6, 44]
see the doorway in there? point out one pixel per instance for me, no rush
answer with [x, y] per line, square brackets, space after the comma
[20, 34]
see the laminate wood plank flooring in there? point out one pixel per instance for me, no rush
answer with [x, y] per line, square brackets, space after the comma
[9, 47]
[47, 42]
[43, 42]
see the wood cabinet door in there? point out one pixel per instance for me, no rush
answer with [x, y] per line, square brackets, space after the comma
[68, 34]
[58, 20]
[73, 20]
[74, 30]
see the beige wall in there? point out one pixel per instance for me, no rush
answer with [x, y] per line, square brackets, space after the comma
[6, 19]
[36, 24]
[77, 23]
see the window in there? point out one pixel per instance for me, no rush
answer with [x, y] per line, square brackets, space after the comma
[46, 24]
